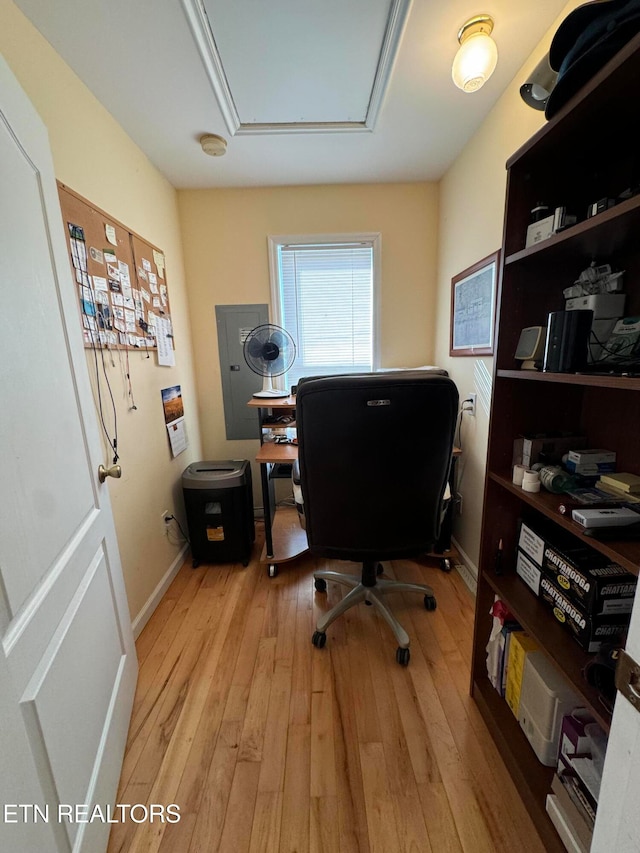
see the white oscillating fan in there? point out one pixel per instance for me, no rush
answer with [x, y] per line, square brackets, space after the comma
[269, 350]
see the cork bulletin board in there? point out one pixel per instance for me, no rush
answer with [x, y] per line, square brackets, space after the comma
[121, 280]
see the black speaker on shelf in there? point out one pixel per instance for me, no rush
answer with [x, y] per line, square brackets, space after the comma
[567, 345]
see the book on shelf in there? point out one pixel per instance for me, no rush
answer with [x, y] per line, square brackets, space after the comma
[616, 493]
[583, 801]
[628, 483]
[507, 632]
[588, 774]
[581, 821]
[520, 646]
[503, 625]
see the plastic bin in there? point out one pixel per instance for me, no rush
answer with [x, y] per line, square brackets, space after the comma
[218, 499]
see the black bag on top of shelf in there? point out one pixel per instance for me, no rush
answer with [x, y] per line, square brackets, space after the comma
[585, 41]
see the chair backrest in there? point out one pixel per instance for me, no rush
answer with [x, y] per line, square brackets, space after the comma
[375, 453]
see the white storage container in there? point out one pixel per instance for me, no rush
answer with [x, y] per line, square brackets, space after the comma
[545, 698]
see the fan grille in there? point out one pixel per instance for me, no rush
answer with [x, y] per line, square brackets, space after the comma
[269, 350]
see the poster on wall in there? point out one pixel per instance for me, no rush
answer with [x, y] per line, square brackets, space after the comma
[473, 305]
[174, 418]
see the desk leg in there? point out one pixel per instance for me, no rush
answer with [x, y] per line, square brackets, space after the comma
[266, 503]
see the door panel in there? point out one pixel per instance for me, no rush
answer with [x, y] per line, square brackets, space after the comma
[618, 818]
[73, 686]
[46, 484]
[67, 658]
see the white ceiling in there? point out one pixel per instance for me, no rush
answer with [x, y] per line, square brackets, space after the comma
[141, 60]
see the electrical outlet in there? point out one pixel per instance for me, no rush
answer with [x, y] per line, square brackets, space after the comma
[470, 405]
[166, 518]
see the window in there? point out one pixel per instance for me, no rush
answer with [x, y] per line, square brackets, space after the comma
[324, 293]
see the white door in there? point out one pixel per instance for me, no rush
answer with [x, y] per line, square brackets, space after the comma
[67, 658]
[617, 827]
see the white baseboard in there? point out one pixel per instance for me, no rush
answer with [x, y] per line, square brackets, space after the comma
[154, 599]
[467, 568]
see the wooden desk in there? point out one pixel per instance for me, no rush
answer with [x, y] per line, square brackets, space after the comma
[284, 538]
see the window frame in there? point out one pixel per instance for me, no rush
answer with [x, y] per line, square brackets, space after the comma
[374, 238]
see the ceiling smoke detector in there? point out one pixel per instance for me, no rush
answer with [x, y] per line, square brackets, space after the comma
[213, 145]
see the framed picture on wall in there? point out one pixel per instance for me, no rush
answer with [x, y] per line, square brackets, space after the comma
[473, 308]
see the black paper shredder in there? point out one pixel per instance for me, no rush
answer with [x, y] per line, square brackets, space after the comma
[218, 499]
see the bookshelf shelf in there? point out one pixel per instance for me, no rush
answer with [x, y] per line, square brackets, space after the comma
[606, 234]
[586, 152]
[623, 383]
[539, 623]
[627, 554]
[532, 779]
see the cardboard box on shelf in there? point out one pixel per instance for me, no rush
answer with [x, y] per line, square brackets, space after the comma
[591, 462]
[588, 630]
[539, 231]
[528, 571]
[573, 737]
[544, 447]
[584, 576]
[589, 581]
[531, 542]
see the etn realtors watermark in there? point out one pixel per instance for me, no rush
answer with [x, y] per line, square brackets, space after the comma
[85, 813]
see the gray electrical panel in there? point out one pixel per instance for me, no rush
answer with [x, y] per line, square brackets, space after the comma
[239, 382]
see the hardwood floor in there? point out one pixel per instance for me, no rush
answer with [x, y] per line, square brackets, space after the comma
[268, 744]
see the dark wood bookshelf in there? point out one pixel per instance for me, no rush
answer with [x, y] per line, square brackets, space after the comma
[538, 621]
[626, 553]
[585, 153]
[624, 383]
[532, 779]
[607, 233]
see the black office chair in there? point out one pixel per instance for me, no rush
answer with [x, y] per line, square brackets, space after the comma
[374, 459]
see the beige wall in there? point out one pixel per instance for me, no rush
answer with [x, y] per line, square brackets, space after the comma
[226, 257]
[471, 212]
[94, 157]
[424, 228]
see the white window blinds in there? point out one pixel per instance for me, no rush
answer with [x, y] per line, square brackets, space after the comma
[327, 303]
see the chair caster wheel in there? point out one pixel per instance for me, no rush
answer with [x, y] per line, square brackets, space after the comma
[245, 563]
[195, 564]
[430, 603]
[273, 570]
[320, 584]
[319, 639]
[403, 656]
[368, 603]
[445, 564]
[379, 569]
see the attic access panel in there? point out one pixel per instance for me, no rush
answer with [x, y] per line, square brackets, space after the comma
[291, 66]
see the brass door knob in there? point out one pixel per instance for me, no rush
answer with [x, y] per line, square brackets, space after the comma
[112, 471]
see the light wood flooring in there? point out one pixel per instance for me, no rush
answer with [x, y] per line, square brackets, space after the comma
[268, 744]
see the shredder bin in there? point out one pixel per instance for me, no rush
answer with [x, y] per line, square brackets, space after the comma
[218, 499]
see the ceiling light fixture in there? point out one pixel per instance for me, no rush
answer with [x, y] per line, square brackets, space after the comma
[477, 55]
[213, 144]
